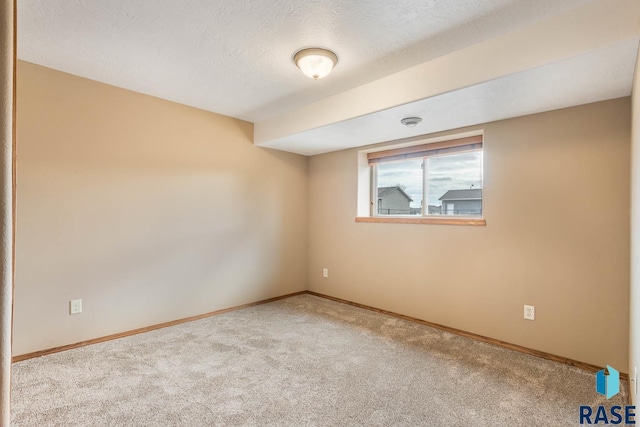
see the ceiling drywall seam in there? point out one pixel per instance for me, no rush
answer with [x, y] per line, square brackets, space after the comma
[7, 101]
[577, 32]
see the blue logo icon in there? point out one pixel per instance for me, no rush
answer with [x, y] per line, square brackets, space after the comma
[608, 383]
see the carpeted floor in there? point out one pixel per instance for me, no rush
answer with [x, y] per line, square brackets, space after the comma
[302, 361]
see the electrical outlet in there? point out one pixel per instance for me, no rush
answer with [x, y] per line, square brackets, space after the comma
[325, 272]
[75, 306]
[529, 312]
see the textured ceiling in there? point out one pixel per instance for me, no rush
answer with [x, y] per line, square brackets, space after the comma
[455, 62]
[580, 56]
[234, 57]
[605, 72]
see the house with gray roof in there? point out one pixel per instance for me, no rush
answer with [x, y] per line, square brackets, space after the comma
[462, 202]
[393, 201]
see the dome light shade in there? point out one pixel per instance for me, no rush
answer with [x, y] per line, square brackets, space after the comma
[315, 62]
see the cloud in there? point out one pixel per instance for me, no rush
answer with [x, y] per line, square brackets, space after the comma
[453, 172]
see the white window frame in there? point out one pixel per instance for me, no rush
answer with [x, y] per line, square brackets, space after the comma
[367, 203]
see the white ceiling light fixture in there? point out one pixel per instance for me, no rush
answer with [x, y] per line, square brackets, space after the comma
[411, 121]
[315, 62]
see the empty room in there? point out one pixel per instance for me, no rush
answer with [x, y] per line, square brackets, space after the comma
[320, 213]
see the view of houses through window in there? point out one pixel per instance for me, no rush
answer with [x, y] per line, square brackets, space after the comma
[451, 185]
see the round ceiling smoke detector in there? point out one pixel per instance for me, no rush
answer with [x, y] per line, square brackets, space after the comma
[411, 121]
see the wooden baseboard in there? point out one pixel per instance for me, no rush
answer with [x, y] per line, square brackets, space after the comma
[582, 365]
[146, 329]
[571, 362]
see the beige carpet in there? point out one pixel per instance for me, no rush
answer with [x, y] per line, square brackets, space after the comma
[302, 361]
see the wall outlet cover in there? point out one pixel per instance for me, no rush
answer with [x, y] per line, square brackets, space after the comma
[75, 306]
[529, 312]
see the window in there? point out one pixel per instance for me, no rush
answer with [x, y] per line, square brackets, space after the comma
[441, 179]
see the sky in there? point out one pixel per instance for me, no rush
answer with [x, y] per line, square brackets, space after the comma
[451, 172]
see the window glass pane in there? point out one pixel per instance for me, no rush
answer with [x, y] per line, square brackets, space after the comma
[400, 188]
[454, 184]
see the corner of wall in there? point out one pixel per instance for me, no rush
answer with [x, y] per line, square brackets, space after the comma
[634, 289]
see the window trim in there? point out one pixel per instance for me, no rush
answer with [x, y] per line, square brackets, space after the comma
[422, 151]
[451, 144]
[433, 219]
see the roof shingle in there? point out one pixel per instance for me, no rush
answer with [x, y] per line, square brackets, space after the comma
[384, 191]
[470, 194]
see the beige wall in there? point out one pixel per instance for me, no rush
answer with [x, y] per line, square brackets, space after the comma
[556, 201]
[634, 315]
[151, 211]
[147, 210]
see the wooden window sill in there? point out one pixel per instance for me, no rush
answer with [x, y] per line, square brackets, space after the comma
[423, 220]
